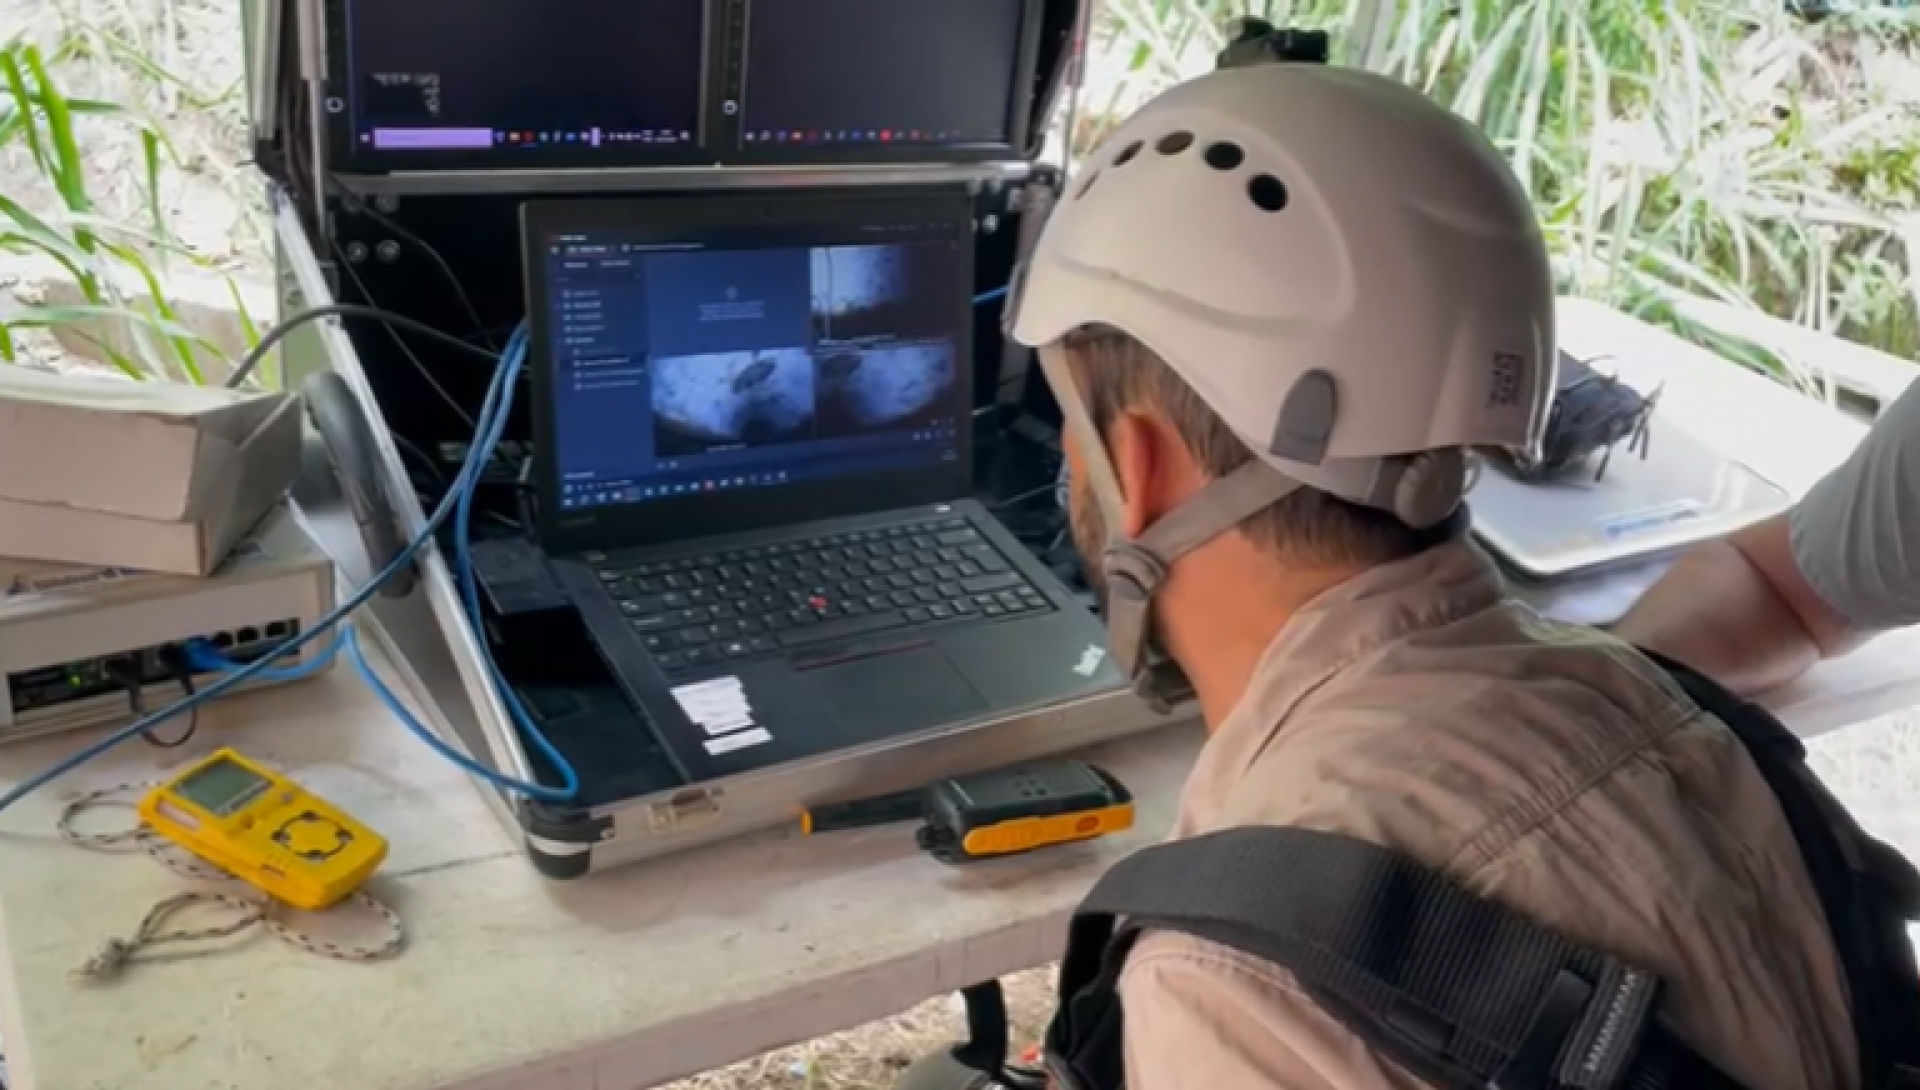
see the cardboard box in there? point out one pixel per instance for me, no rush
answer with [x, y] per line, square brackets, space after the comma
[150, 475]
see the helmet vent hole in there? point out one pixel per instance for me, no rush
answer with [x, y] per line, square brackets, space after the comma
[1268, 193]
[1224, 156]
[1126, 154]
[1174, 143]
[1086, 184]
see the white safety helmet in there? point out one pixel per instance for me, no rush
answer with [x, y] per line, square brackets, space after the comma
[1346, 272]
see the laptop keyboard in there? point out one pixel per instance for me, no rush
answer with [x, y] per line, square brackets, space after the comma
[701, 610]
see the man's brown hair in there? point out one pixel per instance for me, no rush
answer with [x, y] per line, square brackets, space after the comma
[1116, 373]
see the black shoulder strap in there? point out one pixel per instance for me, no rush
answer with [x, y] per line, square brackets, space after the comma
[1461, 991]
[1867, 889]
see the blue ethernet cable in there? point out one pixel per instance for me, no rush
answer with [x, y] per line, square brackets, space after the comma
[492, 418]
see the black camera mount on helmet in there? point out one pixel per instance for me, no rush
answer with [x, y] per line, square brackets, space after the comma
[1256, 41]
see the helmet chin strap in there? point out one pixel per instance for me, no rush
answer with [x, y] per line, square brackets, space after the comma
[1134, 569]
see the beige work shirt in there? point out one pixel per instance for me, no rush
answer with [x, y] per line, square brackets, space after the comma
[1547, 766]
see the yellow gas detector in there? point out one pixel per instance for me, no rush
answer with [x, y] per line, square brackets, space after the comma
[265, 830]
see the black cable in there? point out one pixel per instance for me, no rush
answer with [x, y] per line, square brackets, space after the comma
[184, 677]
[361, 205]
[282, 329]
[425, 461]
[126, 671]
[1019, 498]
[296, 143]
[419, 366]
[487, 333]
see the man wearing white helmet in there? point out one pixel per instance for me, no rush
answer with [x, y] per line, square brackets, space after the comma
[1278, 307]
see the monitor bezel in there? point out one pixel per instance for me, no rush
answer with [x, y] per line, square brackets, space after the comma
[345, 156]
[735, 90]
[602, 529]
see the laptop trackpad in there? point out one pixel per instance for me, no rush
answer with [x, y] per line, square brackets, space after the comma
[894, 694]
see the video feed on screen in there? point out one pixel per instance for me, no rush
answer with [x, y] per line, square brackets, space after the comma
[733, 399]
[863, 347]
[881, 363]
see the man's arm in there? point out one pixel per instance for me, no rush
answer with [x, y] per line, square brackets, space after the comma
[1757, 609]
[1740, 611]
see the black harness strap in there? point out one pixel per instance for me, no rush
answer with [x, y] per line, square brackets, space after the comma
[1868, 891]
[1462, 991]
[988, 1031]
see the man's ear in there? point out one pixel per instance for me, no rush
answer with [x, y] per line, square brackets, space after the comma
[1153, 466]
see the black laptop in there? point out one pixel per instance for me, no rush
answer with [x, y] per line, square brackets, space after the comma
[753, 417]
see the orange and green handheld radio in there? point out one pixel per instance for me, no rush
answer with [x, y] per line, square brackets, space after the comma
[1008, 811]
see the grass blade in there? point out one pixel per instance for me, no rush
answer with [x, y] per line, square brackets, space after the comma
[182, 346]
[30, 232]
[23, 105]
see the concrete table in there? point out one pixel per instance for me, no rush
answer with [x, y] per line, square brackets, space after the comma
[668, 968]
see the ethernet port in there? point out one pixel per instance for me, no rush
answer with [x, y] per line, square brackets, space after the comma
[279, 630]
[247, 636]
[223, 641]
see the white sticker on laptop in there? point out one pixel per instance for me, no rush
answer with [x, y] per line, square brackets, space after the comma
[729, 743]
[723, 722]
[712, 687]
[719, 706]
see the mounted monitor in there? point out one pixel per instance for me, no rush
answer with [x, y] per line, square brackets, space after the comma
[842, 81]
[434, 85]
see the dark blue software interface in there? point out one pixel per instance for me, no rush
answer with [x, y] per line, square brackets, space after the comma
[912, 72]
[757, 361]
[513, 76]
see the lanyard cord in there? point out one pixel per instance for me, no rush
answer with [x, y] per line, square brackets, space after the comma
[247, 909]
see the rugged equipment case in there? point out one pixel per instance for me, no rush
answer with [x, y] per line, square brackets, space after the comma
[394, 240]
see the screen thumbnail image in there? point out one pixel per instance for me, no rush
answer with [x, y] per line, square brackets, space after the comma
[882, 319]
[732, 399]
[886, 387]
[903, 290]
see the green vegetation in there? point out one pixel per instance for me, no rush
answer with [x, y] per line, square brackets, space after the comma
[119, 264]
[1716, 149]
[1722, 149]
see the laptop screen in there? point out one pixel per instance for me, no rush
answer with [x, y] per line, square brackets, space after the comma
[711, 364]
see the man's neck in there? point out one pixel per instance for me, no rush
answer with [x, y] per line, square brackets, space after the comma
[1223, 609]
